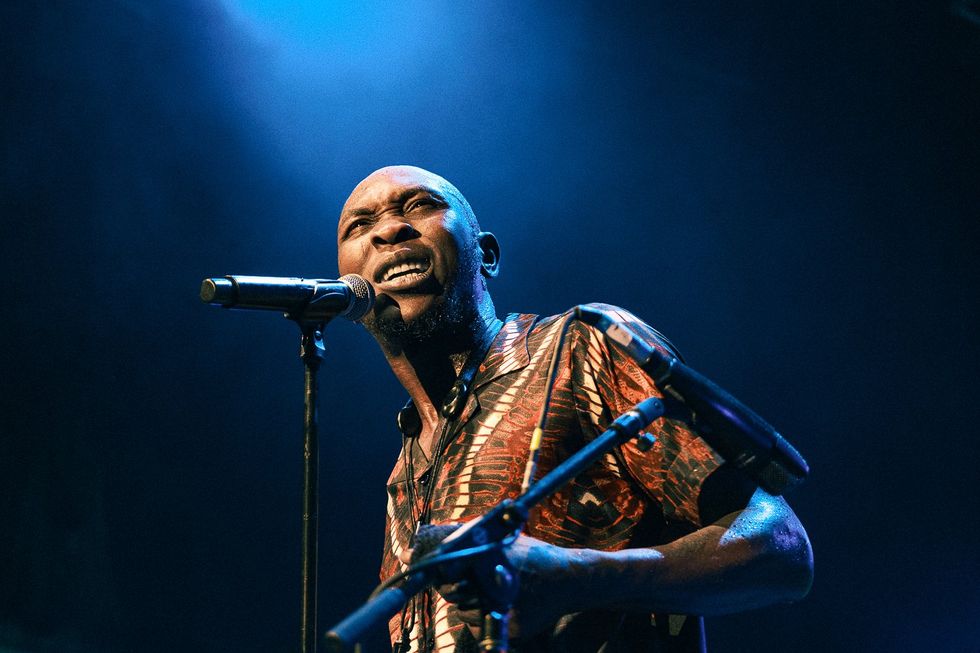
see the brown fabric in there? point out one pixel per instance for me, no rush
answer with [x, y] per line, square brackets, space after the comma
[629, 499]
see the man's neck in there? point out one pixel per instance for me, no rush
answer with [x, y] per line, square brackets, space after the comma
[427, 370]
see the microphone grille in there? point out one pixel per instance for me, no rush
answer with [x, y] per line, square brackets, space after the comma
[363, 296]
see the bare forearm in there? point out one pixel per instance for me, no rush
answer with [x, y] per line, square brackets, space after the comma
[749, 559]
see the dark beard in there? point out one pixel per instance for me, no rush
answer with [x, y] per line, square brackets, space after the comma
[453, 322]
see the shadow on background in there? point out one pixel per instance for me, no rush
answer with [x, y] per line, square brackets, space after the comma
[789, 194]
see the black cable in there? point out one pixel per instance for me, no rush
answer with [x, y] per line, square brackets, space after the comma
[535, 446]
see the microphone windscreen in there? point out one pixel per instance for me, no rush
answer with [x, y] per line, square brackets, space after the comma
[363, 296]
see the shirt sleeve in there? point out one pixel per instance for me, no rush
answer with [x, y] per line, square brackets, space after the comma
[606, 384]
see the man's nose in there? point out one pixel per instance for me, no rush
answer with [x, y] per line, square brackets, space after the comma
[392, 230]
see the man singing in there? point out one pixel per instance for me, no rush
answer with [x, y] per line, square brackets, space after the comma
[624, 558]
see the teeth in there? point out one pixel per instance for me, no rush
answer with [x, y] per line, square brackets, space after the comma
[417, 267]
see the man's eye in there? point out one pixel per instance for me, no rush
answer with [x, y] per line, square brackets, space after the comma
[356, 225]
[422, 202]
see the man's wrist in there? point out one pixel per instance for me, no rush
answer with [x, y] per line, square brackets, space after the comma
[597, 580]
[620, 579]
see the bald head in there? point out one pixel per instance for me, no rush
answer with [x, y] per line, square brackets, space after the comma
[414, 237]
[372, 189]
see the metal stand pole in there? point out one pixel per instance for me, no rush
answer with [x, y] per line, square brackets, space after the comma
[311, 352]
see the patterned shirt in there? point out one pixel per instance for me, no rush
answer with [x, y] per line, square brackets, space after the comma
[628, 499]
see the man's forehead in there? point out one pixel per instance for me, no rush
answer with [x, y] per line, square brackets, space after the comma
[383, 184]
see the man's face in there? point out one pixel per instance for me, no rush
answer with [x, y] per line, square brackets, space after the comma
[404, 230]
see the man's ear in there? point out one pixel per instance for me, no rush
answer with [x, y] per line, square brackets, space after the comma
[490, 260]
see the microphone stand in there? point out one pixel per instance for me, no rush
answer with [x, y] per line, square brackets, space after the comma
[311, 303]
[743, 439]
[311, 353]
[476, 550]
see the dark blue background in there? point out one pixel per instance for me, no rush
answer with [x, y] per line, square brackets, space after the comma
[788, 190]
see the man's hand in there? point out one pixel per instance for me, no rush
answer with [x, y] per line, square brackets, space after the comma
[552, 584]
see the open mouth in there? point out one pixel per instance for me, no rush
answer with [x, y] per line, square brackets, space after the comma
[406, 272]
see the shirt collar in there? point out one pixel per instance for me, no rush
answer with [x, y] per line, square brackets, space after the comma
[508, 352]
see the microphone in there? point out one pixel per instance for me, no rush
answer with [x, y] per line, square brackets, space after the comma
[742, 438]
[351, 296]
